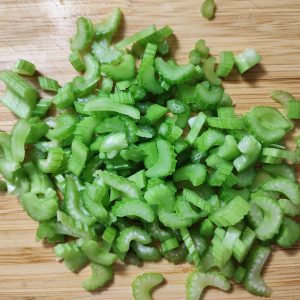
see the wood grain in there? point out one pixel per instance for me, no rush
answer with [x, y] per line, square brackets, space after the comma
[38, 30]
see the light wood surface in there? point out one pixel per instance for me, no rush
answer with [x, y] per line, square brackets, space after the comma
[38, 30]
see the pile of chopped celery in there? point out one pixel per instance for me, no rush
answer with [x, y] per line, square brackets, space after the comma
[146, 159]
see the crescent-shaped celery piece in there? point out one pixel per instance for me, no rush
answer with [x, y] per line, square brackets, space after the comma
[195, 173]
[289, 233]
[253, 281]
[208, 98]
[53, 161]
[174, 74]
[286, 187]
[197, 281]
[173, 220]
[110, 25]
[39, 209]
[160, 195]
[132, 233]
[272, 218]
[84, 35]
[127, 187]
[267, 124]
[146, 73]
[144, 283]
[125, 70]
[100, 276]
[166, 161]
[97, 254]
[19, 135]
[146, 253]
[133, 208]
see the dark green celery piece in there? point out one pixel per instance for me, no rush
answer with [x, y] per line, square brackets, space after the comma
[197, 281]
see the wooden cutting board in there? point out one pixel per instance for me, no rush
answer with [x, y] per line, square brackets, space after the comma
[38, 30]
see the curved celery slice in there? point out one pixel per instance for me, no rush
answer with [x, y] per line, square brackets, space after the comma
[195, 173]
[125, 70]
[282, 170]
[209, 139]
[136, 37]
[133, 208]
[105, 104]
[39, 209]
[144, 283]
[53, 161]
[76, 228]
[130, 234]
[100, 276]
[72, 202]
[253, 281]
[272, 218]
[208, 98]
[174, 74]
[83, 36]
[127, 187]
[19, 135]
[184, 209]
[159, 233]
[161, 195]
[74, 258]
[246, 60]
[110, 25]
[197, 281]
[267, 124]
[146, 74]
[250, 149]
[229, 149]
[226, 64]
[286, 187]
[76, 61]
[289, 208]
[165, 164]
[177, 255]
[289, 233]
[97, 254]
[172, 220]
[146, 253]
[209, 71]
[195, 199]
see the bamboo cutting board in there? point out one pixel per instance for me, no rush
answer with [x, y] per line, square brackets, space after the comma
[38, 30]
